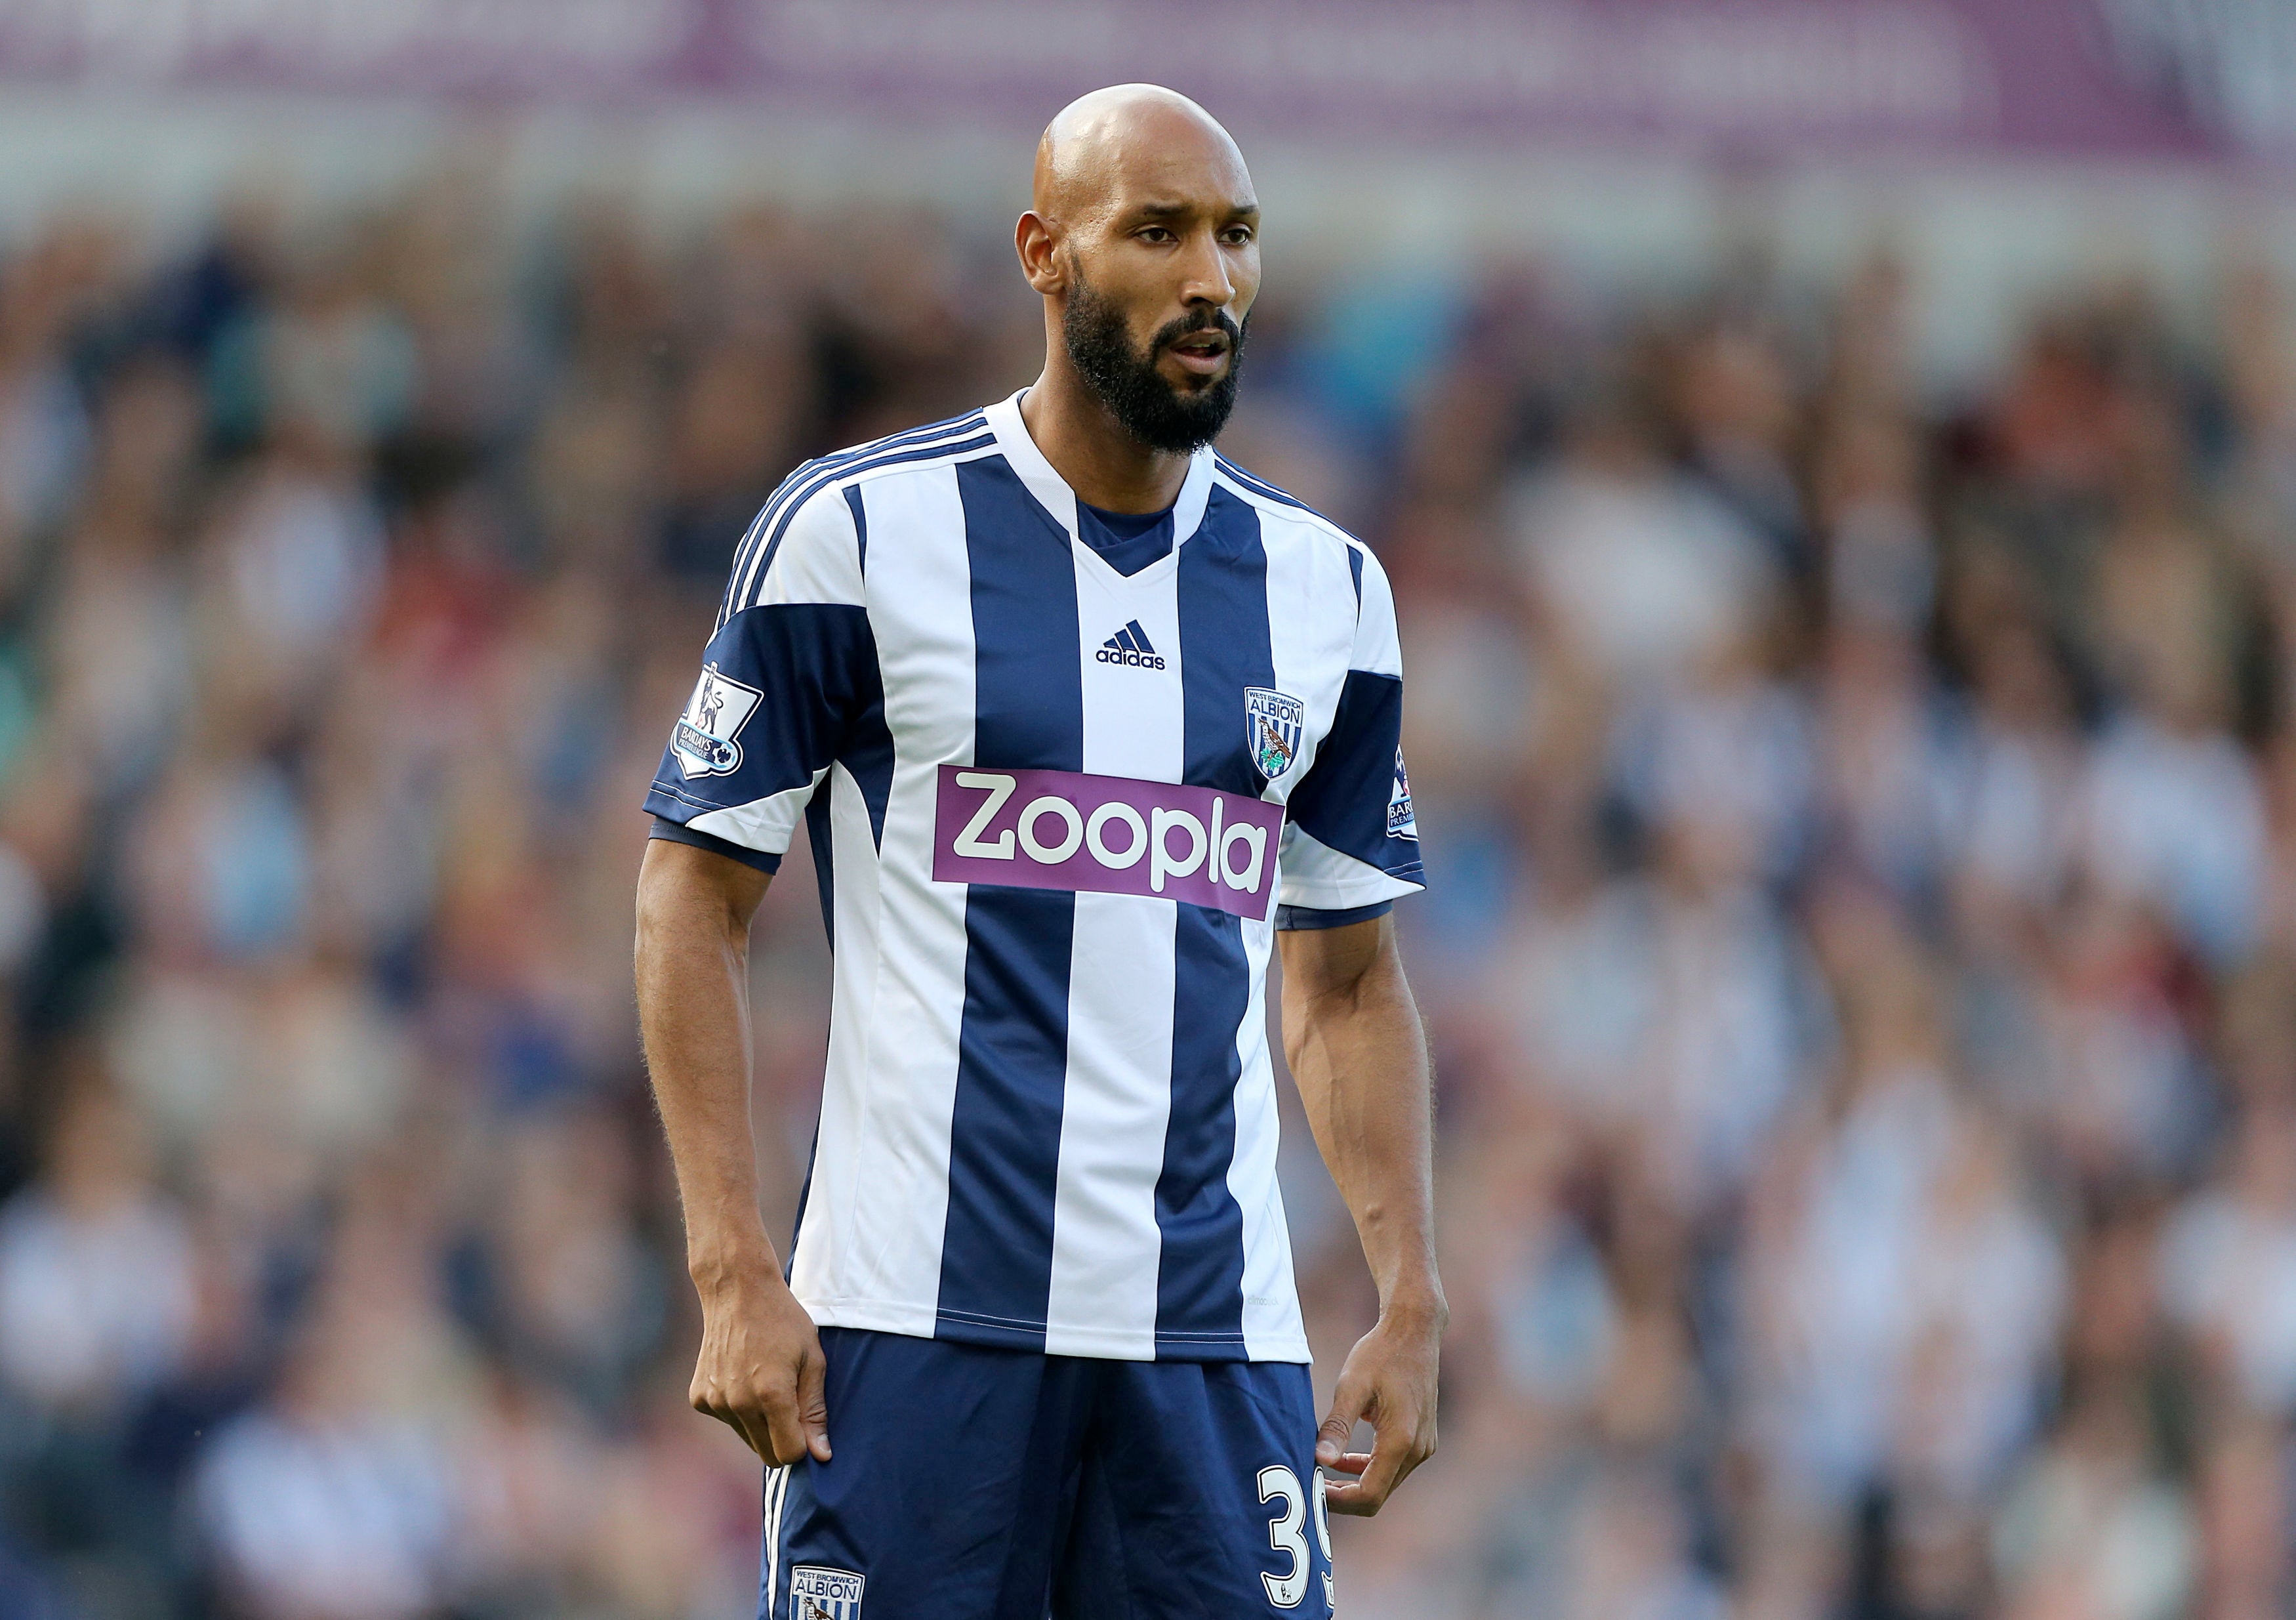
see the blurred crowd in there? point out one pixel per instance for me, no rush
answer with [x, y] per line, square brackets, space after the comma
[1861, 951]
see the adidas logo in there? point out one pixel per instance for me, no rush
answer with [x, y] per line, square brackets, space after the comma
[1130, 645]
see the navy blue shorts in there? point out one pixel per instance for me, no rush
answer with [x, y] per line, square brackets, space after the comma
[971, 1484]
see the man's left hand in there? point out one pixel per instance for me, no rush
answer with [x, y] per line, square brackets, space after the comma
[1389, 1379]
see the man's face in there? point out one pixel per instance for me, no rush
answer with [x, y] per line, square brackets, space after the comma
[1160, 287]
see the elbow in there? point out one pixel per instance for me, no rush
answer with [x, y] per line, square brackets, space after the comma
[675, 904]
[650, 922]
[665, 910]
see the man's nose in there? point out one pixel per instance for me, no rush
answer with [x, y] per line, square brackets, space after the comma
[1208, 281]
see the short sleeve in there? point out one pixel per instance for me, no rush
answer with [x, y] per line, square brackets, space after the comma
[789, 682]
[1351, 841]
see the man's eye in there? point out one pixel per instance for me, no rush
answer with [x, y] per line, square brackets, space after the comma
[1156, 233]
[1236, 235]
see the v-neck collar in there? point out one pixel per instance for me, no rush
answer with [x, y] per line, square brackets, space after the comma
[1059, 501]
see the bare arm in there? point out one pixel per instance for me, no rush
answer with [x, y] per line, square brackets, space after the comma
[1352, 1035]
[761, 1368]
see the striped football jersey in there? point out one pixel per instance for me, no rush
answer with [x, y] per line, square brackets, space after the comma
[1060, 799]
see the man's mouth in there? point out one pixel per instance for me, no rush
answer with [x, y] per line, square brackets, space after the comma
[1203, 352]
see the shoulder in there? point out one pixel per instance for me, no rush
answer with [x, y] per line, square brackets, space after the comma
[809, 523]
[1280, 507]
[826, 477]
[1330, 546]
[960, 435]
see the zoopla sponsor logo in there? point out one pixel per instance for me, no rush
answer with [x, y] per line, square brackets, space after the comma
[1061, 829]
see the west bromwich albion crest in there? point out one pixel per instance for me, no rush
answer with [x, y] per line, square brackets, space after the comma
[816, 1593]
[705, 741]
[1273, 724]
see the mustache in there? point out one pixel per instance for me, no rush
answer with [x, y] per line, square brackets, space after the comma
[1188, 326]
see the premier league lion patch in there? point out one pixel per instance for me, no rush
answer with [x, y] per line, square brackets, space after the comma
[1400, 822]
[705, 741]
[1273, 725]
[816, 1593]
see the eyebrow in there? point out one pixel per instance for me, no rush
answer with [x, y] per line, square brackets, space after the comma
[1247, 209]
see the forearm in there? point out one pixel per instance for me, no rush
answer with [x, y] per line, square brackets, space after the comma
[694, 1012]
[1359, 1056]
[759, 1369]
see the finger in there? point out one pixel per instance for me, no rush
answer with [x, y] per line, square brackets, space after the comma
[1350, 1462]
[775, 1416]
[813, 1403]
[755, 1430]
[711, 1402]
[1381, 1472]
[1363, 1497]
[1347, 1401]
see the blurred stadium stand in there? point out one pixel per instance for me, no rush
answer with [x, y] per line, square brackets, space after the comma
[1838, 467]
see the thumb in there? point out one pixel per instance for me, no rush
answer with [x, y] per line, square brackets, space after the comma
[1347, 1402]
[813, 1403]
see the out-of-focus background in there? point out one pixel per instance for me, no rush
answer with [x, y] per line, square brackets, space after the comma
[1837, 463]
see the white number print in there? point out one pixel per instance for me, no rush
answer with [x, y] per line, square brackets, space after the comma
[1287, 1533]
[1324, 1540]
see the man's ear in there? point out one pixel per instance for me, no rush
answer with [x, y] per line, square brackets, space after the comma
[1038, 242]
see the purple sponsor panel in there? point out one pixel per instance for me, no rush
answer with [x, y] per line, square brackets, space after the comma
[1062, 829]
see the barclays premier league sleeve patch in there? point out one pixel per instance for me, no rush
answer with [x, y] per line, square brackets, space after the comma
[1400, 822]
[707, 740]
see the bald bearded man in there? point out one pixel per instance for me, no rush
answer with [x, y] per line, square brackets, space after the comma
[1086, 724]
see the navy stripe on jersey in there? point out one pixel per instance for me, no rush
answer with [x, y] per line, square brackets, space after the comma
[1257, 485]
[824, 871]
[1342, 802]
[861, 536]
[738, 580]
[1224, 648]
[1012, 1065]
[869, 755]
[1261, 486]
[890, 459]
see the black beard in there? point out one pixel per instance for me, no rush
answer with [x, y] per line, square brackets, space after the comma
[1126, 382]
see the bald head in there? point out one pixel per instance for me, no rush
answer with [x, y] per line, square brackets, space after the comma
[1128, 137]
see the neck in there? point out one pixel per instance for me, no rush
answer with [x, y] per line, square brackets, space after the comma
[1090, 450]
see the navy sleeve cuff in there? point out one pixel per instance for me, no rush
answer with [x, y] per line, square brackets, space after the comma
[1309, 917]
[665, 828]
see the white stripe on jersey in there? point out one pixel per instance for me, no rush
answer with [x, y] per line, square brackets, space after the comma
[1105, 1239]
[777, 1489]
[869, 1253]
[1271, 1301]
[762, 823]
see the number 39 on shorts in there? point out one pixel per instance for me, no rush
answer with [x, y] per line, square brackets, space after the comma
[1287, 1537]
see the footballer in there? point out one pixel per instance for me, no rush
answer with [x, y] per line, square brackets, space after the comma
[1083, 723]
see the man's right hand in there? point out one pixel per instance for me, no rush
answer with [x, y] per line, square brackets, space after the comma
[761, 1370]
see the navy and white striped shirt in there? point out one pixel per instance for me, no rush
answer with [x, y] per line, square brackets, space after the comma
[1057, 797]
